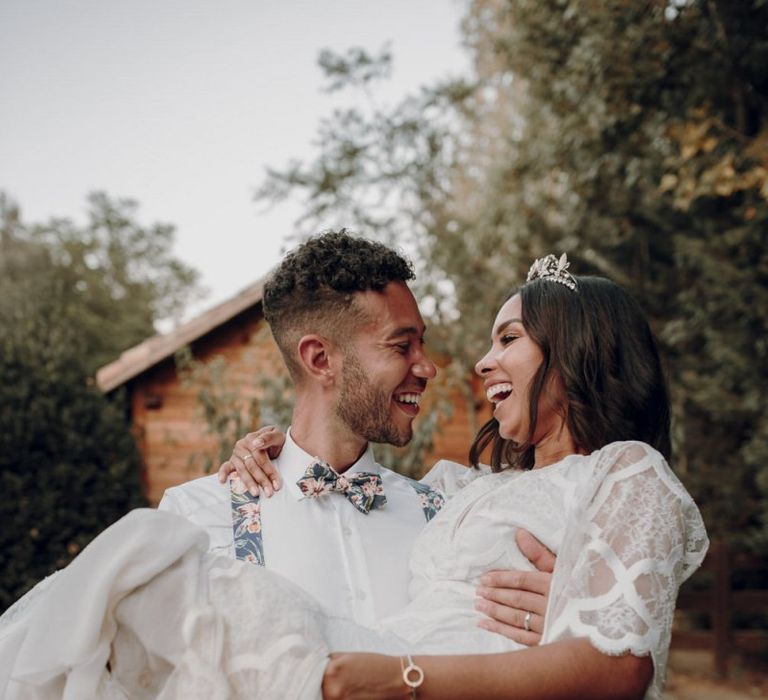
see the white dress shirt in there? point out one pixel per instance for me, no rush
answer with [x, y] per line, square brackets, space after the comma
[356, 565]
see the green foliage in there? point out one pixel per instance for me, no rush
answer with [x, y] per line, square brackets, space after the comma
[221, 405]
[229, 410]
[632, 136]
[276, 400]
[118, 278]
[68, 463]
[71, 299]
[356, 67]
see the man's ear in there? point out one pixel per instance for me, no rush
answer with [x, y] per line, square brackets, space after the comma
[316, 356]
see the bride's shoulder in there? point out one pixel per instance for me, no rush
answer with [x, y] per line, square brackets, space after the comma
[636, 464]
[443, 467]
[449, 477]
[626, 454]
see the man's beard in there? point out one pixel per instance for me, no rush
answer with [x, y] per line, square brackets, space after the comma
[365, 408]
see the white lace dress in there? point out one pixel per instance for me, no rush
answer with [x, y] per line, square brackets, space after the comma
[626, 532]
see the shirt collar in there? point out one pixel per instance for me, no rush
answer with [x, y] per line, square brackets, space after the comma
[293, 462]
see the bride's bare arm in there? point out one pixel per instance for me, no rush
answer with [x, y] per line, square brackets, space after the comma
[560, 671]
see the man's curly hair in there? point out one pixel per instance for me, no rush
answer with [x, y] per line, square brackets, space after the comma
[313, 289]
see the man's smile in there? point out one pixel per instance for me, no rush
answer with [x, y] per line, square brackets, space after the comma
[408, 402]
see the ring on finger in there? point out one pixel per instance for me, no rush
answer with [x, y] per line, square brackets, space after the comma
[247, 457]
[527, 621]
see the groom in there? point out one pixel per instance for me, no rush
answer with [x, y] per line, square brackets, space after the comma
[352, 337]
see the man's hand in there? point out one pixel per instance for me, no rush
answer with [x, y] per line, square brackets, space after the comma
[251, 459]
[516, 601]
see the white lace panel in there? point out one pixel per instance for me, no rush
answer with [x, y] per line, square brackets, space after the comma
[637, 536]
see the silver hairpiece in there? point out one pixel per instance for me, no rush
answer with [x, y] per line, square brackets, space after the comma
[550, 268]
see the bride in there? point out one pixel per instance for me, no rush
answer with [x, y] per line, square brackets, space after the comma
[578, 443]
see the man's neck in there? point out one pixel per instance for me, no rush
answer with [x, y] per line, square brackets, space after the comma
[318, 432]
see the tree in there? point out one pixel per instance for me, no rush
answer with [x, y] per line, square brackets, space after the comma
[68, 463]
[631, 135]
[71, 298]
[651, 119]
[118, 278]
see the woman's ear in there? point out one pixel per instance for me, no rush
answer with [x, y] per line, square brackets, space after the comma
[316, 355]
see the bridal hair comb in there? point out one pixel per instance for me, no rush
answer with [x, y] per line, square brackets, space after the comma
[550, 268]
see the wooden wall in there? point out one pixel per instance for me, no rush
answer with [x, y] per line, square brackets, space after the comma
[167, 418]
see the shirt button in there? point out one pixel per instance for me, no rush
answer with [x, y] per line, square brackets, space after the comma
[361, 595]
[346, 531]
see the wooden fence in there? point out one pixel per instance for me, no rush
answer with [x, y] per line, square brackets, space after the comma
[719, 601]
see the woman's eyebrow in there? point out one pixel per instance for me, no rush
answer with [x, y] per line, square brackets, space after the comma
[500, 328]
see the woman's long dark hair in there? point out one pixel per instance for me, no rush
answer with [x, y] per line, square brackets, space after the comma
[597, 340]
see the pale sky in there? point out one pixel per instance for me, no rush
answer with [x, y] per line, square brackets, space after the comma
[181, 104]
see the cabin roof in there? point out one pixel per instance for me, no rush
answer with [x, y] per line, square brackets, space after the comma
[154, 350]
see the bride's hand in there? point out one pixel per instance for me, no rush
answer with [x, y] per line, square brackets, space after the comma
[251, 459]
[354, 676]
[515, 601]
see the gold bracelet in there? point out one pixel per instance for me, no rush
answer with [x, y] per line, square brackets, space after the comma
[413, 676]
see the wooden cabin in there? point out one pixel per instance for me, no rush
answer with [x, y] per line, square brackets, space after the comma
[165, 405]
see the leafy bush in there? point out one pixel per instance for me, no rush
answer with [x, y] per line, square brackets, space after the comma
[68, 462]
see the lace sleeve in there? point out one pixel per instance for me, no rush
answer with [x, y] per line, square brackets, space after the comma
[634, 536]
[449, 477]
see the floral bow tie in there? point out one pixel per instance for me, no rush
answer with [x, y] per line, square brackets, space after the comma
[362, 489]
